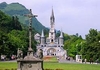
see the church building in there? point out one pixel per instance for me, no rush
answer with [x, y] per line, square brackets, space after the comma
[52, 45]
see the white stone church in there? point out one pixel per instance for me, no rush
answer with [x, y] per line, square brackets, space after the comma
[51, 46]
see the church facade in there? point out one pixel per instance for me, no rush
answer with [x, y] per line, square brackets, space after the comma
[52, 45]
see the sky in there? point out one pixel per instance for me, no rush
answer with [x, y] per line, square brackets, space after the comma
[72, 16]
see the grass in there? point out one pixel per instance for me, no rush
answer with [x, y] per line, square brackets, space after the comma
[68, 66]
[8, 65]
[55, 66]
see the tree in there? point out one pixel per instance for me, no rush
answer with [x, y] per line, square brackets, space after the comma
[12, 36]
[15, 23]
[73, 45]
[92, 45]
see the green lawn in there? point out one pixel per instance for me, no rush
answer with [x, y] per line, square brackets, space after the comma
[54, 66]
[8, 65]
[66, 66]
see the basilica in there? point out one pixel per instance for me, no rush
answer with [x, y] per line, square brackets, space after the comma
[52, 45]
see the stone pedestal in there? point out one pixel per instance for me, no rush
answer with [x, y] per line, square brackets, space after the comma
[30, 63]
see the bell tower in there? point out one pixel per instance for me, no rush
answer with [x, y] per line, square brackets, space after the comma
[52, 29]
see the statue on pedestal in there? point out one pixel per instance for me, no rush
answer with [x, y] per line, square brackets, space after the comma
[40, 53]
[19, 54]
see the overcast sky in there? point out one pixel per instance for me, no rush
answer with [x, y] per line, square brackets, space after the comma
[72, 16]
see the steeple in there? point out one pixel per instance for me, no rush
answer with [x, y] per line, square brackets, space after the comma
[42, 38]
[52, 29]
[52, 18]
[61, 34]
[42, 35]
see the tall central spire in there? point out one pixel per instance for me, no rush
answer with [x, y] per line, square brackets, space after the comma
[52, 29]
[52, 18]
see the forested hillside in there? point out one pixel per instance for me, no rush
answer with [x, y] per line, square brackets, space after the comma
[20, 10]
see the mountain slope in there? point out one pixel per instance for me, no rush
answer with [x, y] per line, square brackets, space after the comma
[16, 9]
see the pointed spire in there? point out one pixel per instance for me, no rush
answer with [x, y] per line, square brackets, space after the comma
[52, 18]
[52, 13]
[61, 34]
[42, 35]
